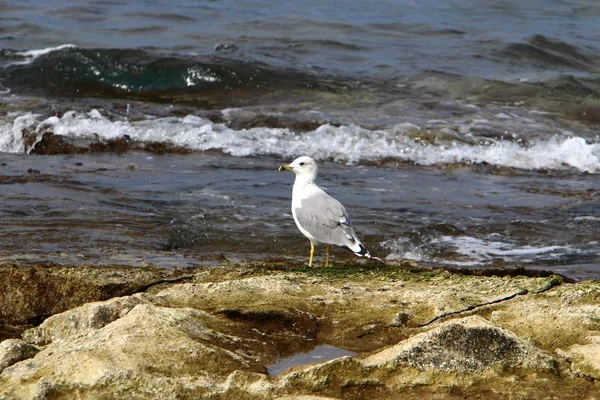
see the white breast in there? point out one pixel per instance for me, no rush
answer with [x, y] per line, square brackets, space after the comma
[301, 191]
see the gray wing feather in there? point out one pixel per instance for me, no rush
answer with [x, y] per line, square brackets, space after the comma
[326, 219]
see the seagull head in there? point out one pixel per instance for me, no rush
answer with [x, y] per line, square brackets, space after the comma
[304, 167]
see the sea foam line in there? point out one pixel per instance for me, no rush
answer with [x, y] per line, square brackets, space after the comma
[348, 143]
[31, 55]
[473, 251]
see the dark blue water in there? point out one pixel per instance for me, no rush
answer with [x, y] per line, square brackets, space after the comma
[200, 209]
[507, 40]
[459, 133]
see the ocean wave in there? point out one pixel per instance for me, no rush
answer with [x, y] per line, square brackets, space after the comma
[541, 51]
[346, 143]
[69, 70]
[29, 56]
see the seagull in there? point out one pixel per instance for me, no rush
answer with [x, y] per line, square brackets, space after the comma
[320, 217]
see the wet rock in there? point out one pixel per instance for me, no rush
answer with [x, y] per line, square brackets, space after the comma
[276, 320]
[291, 331]
[51, 144]
[276, 121]
[163, 148]
[117, 145]
[32, 171]
[13, 351]
[156, 148]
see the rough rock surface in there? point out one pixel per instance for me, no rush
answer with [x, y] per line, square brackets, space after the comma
[464, 346]
[418, 334]
[29, 294]
[89, 317]
[584, 359]
[15, 350]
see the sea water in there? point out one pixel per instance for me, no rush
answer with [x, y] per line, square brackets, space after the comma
[458, 133]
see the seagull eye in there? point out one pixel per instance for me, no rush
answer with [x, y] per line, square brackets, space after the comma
[301, 163]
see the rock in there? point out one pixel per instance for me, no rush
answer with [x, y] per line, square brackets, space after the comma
[434, 335]
[302, 397]
[456, 351]
[326, 377]
[51, 144]
[89, 317]
[464, 346]
[584, 359]
[13, 351]
[401, 319]
[29, 294]
[156, 351]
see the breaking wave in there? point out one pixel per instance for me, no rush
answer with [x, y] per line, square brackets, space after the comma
[347, 143]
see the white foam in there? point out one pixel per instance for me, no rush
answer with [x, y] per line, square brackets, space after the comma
[195, 75]
[586, 218]
[31, 55]
[401, 248]
[348, 143]
[483, 249]
[11, 137]
[470, 251]
[4, 90]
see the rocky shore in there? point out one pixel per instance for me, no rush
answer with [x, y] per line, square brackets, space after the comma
[118, 332]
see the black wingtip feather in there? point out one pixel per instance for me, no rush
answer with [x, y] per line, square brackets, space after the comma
[363, 252]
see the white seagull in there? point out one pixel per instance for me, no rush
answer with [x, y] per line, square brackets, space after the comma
[320, 217]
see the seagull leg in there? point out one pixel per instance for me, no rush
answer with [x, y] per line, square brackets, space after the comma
[312, 253]
[327, 259]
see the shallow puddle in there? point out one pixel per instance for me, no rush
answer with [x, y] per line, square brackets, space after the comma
[318, 354]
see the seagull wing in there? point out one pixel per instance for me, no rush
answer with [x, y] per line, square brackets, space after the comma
[327, 221]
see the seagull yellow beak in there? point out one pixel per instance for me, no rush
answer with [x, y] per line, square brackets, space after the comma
[285, 167]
